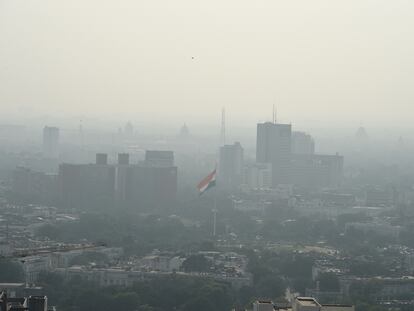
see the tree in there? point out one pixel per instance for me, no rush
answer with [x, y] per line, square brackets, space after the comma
[128, 301]
[11, 272]
[246, 295]
[199, 304]
[271, 286]
[328, 282]
[299, 266]
[196, 263]
[49, 231]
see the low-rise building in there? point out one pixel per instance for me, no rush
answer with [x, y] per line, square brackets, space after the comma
[306, 304]
[31, 303]
[263, 305]
[379, 228]
[300, 304]
[33, 266]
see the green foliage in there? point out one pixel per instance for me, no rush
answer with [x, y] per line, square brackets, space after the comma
[170, 293]
[369, 268]
[198, 303]
[271, 286]
[196, 263]
[343, 219]
[246, 295]
[137, 234]
[49, 231]
[328, 282]
[278, 270]
[298, 267]
[365, 292]
[407, 235]
[11, 272]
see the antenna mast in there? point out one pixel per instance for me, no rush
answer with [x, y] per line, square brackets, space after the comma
[223, 127]
[274, 119]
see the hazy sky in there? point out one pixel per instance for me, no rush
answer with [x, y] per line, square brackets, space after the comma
[348, 60]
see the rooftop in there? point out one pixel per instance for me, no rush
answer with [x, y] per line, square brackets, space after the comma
[307, 301]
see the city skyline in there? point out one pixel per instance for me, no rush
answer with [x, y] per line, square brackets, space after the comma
[222, 155]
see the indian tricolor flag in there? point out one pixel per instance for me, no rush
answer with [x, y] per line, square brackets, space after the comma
[208, 182]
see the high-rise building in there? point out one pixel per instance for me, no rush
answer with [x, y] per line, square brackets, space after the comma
[123, 159]
[121, 175]
[87, 185]
[310, 170]
[150, 187]
[274, 146]
[184, 131]
[302, 143]
[129, 130]
[231, 165]
[258, 176]
[159, 158]
[104, 185]
[50, 142]
[32, 186]
[101, 159]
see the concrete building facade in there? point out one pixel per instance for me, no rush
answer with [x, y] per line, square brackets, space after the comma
[50, 142]
[274, 146]
[231, 165]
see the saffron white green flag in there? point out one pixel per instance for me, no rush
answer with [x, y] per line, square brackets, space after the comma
[208, 182]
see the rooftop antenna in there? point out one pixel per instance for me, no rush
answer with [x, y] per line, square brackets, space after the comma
[274, 120]
[223, 127]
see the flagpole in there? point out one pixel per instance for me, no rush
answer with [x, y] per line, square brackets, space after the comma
[215, 213]
[215, 209]
[208, 182]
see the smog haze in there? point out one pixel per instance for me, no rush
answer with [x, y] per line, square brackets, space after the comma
[336, 62]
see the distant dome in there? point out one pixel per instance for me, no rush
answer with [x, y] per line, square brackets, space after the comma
[184, 131]
[129, 129]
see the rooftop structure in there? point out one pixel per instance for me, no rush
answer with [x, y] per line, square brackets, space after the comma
[301, 304]
[306, 304]
[159, 158]
[31, 303]
[263, 305]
